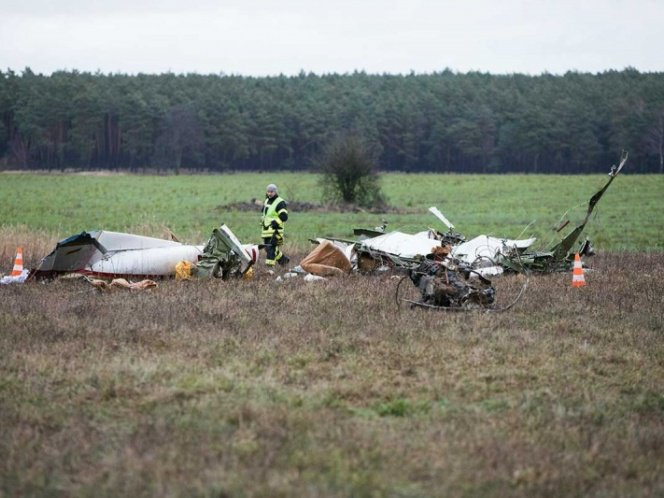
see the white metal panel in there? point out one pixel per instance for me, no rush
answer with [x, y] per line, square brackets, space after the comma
[403, 244]
[116, 241]
[484, 246]
[144, 262]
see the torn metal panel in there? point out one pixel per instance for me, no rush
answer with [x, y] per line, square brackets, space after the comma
[394, 250]
[73, 253]
[218, 259]
[401, 245]
[484, 247]
[562, 249]
[224, 256]
[378, 250]
[560, 256]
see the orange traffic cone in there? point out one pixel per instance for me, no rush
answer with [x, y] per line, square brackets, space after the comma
[18, 263]
[578, 280]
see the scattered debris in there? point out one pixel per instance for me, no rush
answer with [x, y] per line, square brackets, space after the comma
[444, 287]
[452, 273]
[313, 278]
[121, 283]
[561, 256]
[484, 254]
[224, 256]
[183, 270]
[326, 259]
[106, 254]
[487, 252]
[448, 271]
[446, 283]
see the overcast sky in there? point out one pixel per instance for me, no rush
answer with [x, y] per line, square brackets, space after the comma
[286, 36]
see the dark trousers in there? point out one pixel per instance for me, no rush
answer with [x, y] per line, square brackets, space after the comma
[273, 252]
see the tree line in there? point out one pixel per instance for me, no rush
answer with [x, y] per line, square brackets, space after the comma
[445, 121]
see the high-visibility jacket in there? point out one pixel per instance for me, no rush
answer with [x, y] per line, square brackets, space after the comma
[273, 210]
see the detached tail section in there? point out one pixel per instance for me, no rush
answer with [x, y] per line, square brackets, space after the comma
[562, 249]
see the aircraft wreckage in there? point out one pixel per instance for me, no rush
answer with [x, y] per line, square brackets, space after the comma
[452, 272]
[448, 271]
[106, 254]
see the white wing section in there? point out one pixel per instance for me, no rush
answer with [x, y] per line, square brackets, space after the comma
[152, 261]
[484, 246]
[116, 241]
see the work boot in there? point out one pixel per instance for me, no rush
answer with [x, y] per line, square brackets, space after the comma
[283, 260]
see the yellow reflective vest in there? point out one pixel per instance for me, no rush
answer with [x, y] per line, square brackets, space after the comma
[270, 214]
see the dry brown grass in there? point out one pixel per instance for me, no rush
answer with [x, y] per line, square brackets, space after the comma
[35, 246]
[265, 389]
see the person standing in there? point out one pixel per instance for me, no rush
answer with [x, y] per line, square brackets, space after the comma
[275, 214]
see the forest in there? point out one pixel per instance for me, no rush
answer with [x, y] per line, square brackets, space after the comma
[440, 122]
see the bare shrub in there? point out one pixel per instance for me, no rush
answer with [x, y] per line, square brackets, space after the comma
[348, 164]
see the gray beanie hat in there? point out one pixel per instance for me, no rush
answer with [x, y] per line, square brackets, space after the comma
[271, 188]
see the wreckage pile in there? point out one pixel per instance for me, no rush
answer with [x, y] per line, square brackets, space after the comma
[445, 285]
[104, 254]
[449, 271]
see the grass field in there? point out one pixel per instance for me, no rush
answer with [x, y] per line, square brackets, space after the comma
[254, 388]
[630, 216]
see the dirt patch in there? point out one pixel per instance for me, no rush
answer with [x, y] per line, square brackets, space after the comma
[301, 207]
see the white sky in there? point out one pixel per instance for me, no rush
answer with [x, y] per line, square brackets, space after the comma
[263, 37]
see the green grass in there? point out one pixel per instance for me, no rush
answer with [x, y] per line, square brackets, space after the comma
[630, 216]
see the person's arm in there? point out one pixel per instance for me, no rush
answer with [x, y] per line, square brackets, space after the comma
[282, 212]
